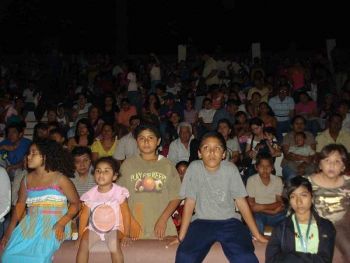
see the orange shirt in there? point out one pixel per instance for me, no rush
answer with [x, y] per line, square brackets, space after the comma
[124, 116]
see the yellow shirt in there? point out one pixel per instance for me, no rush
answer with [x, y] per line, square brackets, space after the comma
[98, 148]
[325, 138]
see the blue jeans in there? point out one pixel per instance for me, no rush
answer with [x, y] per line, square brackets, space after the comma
[263, 220]
[282, 127]
[233, 236]
[288, 173]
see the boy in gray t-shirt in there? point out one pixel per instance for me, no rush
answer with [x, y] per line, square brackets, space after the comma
[211, 188]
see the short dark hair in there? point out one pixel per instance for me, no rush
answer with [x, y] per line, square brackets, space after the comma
[182, 163]
[256, 121]
[81, 150]
[214, 134]
[298, 117]
[146, 126]
[264, 156]
[134, 117]
[300, 134]
[14, 125]
[58, 131]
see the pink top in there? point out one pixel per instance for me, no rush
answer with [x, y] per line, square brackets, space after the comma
[307, 108]
[114, 197]
[298, 79]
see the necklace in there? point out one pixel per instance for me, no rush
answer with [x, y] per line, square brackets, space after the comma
[303, 241]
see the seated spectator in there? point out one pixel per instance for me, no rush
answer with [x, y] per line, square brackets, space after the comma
[106, 145]
[283, 107]
[150, 110]
[181, 168]
[94, 117]
[109, 108]
[252, 105]
[179, 149]
[59, 136]
[84, 135]
[233, 149]
[259, 88]
[304, 155]
[298, 125]
[171, 126]
[62, 117]
[41, 131]
[334, 134]
[82, 106]
[265, 194]
[127, 145]
[83, 176]
[343, 110]
[13, 148]
[206, 115]
[267, 115]
[303, 236]
[190, 114]
[307, 108]
[242, 129]
[5, 198]
[126, 111]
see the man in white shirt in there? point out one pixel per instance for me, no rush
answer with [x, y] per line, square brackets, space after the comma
[179, 149]
[210, 70]
[283, 107]
[127, 145]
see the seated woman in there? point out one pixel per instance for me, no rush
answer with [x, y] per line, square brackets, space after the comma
[303, 236]
[106, 145]
[267, 115]
[308, 109]
[84, 135]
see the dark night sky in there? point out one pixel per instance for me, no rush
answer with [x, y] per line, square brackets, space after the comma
[161, 25]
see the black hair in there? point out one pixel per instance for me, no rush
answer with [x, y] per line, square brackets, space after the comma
[256, 121]
[134, 117]
[108, 124]
[56, 157]
[226, 121]
[270, 113]
[331, 148]
[240, 113]
[146, 126]
[86, 122]
[111, 161]
[81, 150]
[14, 125]
[58, 131]
[125, 100]
[39, 126]
[298, 117]
[271, 130]
[335, 115]
[216, 135]
[182, 163]
[295, 183]
[264, 156]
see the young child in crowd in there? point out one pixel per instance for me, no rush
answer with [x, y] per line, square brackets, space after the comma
[154, 186]
[331, 188]
[45, 191]
[212, 187]
[206, 114]
[181, 168]
[303, 236]
[265, 194]
[304, 152]
[100, 218]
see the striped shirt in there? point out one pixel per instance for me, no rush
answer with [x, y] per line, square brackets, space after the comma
[83, 186]
[282, 108]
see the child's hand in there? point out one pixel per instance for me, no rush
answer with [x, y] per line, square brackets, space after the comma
[59, 231]
[126, 241]
[159, 228]
[260, 238]
[135, 229]
[173, 242]
[3, 242]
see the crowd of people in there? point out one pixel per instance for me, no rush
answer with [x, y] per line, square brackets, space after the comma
[149, 149]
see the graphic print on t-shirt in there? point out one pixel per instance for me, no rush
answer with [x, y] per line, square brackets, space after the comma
[148, 182]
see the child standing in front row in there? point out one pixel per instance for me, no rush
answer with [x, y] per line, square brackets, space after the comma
[46, 192]
[331, 187]
[303, 236]
[210, 187]
[105, 193]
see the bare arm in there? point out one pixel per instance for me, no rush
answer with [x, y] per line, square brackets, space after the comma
[160, 226]
[263, 208]
[124, 207]
[17, 213]
[84, 219]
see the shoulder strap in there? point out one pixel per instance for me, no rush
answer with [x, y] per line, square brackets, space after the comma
[251, 144]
